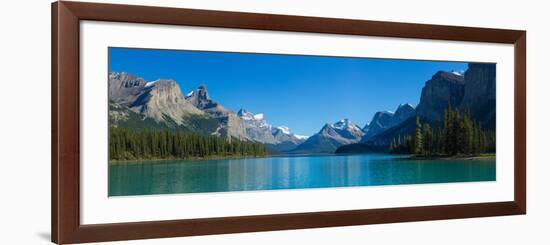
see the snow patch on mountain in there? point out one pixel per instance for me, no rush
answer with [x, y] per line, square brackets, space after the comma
[302, 137]
[458, 73]
[149, 84]
[284, 129]
[259, 130]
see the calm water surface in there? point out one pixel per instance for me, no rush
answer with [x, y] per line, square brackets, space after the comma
[292, 172]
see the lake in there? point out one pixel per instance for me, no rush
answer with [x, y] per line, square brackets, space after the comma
[289, 172]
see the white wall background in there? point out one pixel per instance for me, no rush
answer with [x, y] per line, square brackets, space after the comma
[25, 121]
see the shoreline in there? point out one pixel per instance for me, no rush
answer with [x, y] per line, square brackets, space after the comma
[184, 159]
[220, 158]
[467, 158]
[397, 156]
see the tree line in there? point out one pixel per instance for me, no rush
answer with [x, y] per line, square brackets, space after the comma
[130, 144]
[459, 135]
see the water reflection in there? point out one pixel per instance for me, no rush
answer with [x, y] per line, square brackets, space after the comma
[159, 177]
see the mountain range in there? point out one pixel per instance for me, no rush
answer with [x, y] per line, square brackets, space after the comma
[330, 137]
[473, 91]
[137, 103]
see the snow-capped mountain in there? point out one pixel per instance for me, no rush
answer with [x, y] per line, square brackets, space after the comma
[331, 136]
[256, 120]
[256, 127]
[278, 138]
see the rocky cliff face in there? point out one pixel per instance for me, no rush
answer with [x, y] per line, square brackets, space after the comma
[480, 93]
[257, 128]
[330, 137]
[278, 139]
[230, 124]
[442, 89]
[200, 99]
[124, 88]
[473, 91]
[283, 134]
[161, 99]
[136, 103]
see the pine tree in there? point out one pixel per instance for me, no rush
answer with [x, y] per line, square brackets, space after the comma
[427, 139]
[417, 145]
[126, 144]
[459, 134]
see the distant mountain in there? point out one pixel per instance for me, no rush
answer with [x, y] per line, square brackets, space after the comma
[384, 138]
[330, 137]
[384, 120]
[380, 121]
[277, 139]
[285, 140]
[403, 112]
[256, 127]
[230, 124]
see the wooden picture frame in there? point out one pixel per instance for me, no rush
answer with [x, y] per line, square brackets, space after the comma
[65, 174]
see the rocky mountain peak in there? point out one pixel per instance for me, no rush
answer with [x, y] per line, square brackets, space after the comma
[203, 93]
[281, 129]
[406, 106]
[251, 118]
[200, 99]
[403, 112]
[164, 84]
[126, 78]
[331, 136]
[346, 124]
[257, 129]
[343, 128]
[453, 77]
[124, 87]
[383, 120]
[245, 114]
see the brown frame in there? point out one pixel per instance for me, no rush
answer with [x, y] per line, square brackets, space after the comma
[65, 175]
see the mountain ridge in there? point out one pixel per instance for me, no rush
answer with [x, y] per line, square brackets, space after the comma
[160, 103]
[330, 137]
[135, 102]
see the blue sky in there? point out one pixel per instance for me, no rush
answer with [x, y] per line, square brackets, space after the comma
[301, 92]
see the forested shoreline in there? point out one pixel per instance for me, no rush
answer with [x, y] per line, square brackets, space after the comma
[130, 144]
[459, 135]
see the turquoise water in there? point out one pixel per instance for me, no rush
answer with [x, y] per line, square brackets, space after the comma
[289, 172]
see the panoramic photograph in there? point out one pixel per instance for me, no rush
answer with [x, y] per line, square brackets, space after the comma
[201, 122]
